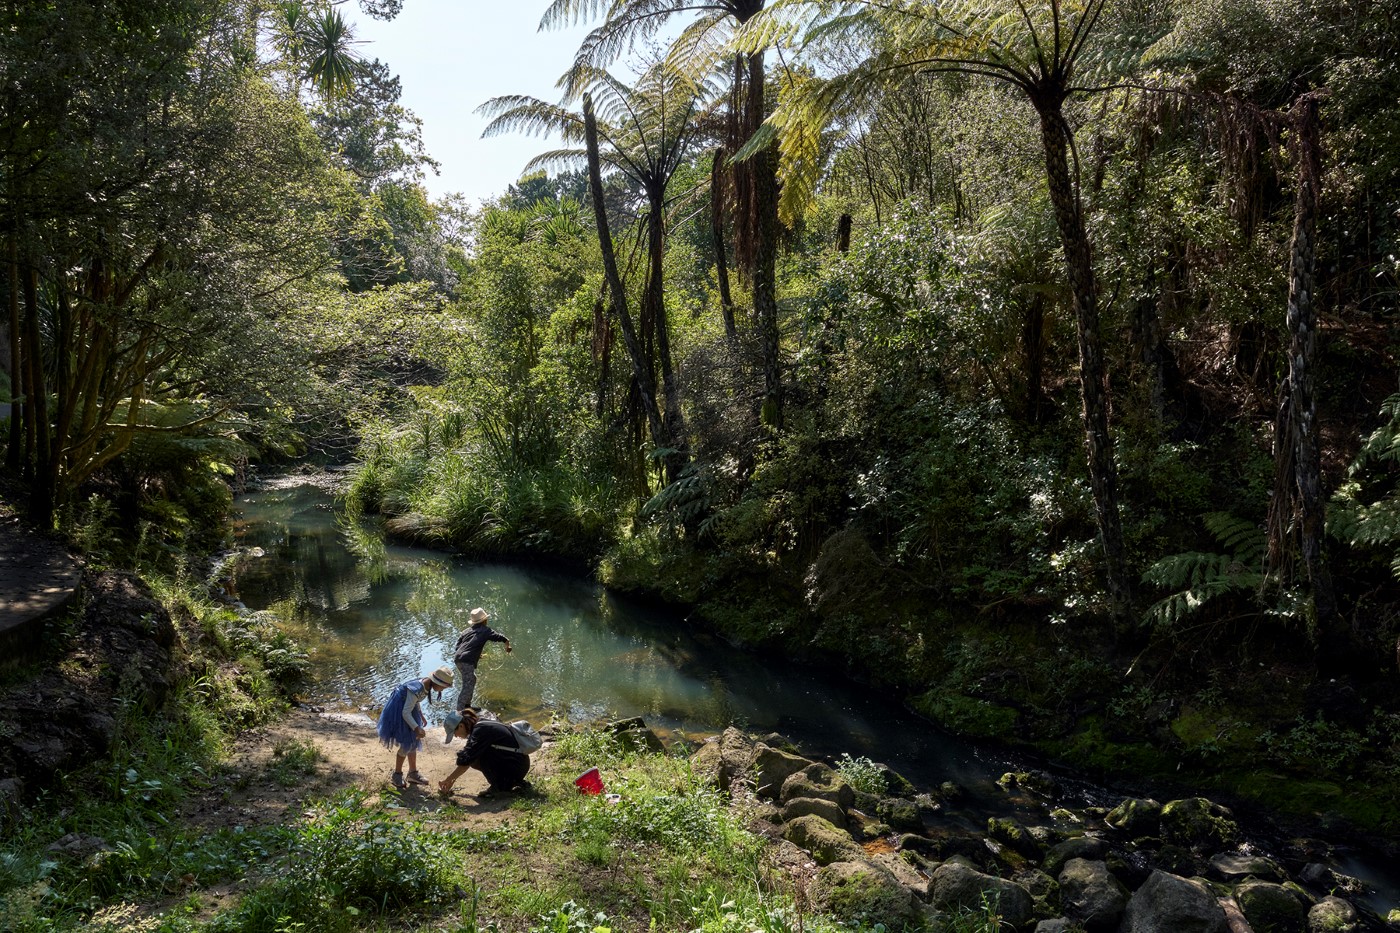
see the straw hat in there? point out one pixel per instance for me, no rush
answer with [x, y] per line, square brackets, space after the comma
[479, 616]
[441, 678]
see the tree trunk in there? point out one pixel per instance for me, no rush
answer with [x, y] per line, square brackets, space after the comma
[765, 296]
[655, 297]
[1098, 442]
[726, 300]
[1298, 471]
[16, 439]
[843, 234]
[641, 368]
[1033, 338]
[41, 495]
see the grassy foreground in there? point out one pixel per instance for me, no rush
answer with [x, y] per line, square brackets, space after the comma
[124, 844]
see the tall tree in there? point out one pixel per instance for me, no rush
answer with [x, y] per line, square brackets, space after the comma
[1048, 51]
[702, 49]
[644, 132]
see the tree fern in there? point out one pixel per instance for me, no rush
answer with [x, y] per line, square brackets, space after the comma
[1198, 578]
[686, 502]
[1365, 510]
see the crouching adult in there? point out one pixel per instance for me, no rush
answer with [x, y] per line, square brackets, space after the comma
[491, 748]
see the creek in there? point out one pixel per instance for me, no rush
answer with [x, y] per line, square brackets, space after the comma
[373, 613]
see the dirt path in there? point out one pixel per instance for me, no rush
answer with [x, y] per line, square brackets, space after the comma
[249, 792]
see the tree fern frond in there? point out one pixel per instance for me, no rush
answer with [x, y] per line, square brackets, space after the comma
[1244, 539]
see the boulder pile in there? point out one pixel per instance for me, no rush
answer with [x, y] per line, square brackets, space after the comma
[895, 856]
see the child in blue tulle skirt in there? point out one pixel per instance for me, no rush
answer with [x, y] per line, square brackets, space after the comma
[402, 724]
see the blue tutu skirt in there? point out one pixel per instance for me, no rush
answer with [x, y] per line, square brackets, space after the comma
[393, 731]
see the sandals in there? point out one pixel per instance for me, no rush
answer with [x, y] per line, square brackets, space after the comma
[397, 780]
[415, 778]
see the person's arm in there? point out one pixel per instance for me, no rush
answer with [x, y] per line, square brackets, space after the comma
[497, 636]
[445, 785]
[408, 708]
[466, 759]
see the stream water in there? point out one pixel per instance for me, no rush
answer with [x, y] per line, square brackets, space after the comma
[374, 614]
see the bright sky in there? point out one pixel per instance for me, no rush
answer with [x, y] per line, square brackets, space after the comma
[452, 56]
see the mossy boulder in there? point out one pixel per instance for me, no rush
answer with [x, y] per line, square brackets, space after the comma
[1231, 867]
[1136, 817]
[1172, 904]
[827, 843]
[1271, 908]
[1333, 915]
[828, 810]
[641, 740]
[724, 760]
[901, 814]
[1086, 847]
[1091, 896]
[860, 893]
[957, 887]
[1199, 824]
[773, 766]
[819, 781]
[1015, 837]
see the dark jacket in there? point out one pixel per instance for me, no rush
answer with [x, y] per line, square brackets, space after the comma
[492, 749]
[471, 642]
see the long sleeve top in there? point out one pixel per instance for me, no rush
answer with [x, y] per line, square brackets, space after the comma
[471, 643]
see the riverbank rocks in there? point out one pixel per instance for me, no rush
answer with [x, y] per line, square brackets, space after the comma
[1228, 867]
[859, 892]
[125, 644]
[887, 859]
[1136, 817]
[1091, 896]
[772, 766]
[957, 887]
[828, 810]
[820, 781]
[723, 760]
[827, 843]
[1272, 908]
[1171, 904]
[1015, 837]
[1333, 915]
[1197, 823]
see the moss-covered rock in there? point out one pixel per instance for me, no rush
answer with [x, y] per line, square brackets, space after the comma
[772, 766]
[828, 810]
[957, 887]
[1136, 817]
[1091, 896]
[826, 842]
[1199, 824]
[1271, 908]
[901, 814]
[821, 782]
[860, 893]
[1333, 915]
[1086, 847]
[1015, 837]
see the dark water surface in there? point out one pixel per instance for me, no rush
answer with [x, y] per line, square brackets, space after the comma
[374, 615]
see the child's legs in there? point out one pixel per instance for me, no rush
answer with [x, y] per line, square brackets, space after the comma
[412, 761]
[466, 677]
[398, 762]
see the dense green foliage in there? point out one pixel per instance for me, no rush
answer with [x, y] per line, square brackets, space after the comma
[1076, 332]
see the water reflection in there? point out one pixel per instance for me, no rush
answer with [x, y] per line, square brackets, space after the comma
[374, 614]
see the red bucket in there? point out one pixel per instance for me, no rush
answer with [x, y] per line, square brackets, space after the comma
[589, 782]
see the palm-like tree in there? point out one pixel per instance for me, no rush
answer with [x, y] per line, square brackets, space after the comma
[320, 44]
[645, 132]
[704, 48]
[1050, 51]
